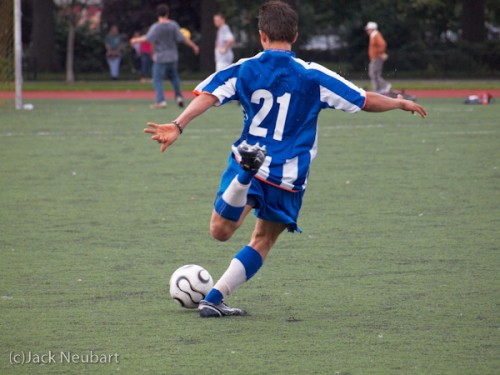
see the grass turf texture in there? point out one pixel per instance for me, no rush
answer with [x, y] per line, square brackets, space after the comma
[396, 271]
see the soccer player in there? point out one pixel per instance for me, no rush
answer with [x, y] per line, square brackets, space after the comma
[281, 97]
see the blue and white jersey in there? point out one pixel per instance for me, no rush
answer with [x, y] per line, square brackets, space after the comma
[281, 97]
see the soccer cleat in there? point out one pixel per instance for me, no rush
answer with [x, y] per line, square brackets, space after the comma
[210, 310]
[252, 157]
[159, 105]
[180, 101]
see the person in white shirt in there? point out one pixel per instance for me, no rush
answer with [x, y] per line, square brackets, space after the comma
[223, 52]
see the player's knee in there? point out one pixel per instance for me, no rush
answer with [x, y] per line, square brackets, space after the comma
[220, 232]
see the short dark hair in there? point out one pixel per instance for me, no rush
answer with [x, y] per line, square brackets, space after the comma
[279, 21]
[162, 10]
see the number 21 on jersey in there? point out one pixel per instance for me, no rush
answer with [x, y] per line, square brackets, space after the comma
[268, 101]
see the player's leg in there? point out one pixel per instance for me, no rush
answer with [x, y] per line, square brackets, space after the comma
[222, 229]
[377, 71]
[276, 210]
[114, 64]
[158, 74]
[242, 268]
[115, 67]
[385, 86]
[381, 85]
[265, 235]
[173, 75]
[372, 75]
[145, 60]
[232, 202]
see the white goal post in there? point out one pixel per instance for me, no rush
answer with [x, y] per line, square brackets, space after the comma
[18, 54]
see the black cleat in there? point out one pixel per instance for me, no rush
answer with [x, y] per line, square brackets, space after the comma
[180, 101]
[252, 157]
[209, 310]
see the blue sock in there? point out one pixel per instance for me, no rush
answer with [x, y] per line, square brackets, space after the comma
[245, 177]
[227, 211]
[214, 296]
[251, 260]
[244, 265]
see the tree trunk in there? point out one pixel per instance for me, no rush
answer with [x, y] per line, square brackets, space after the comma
[43, 36]
[208, 9]
[473, 29]
[70, 55]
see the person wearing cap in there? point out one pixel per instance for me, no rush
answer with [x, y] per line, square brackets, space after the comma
[377, 54]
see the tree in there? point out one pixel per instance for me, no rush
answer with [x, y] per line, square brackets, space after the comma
[43, 35]
[208, 9]
[71, 10]
[473, 18]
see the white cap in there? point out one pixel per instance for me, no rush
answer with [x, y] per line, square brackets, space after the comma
[371, 26]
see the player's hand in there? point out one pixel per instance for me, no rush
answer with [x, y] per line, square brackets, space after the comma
[165, 134]
[410, 106]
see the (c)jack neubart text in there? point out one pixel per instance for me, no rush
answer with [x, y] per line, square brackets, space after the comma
[62, 357]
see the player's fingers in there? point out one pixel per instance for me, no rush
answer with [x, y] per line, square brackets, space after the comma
[163, 147]
[157, 138]
[421, 112]
[153, 126]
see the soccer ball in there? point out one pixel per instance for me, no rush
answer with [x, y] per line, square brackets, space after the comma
[185, 32]
[189, 284]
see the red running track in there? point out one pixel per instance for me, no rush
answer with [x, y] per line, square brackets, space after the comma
[149, 95]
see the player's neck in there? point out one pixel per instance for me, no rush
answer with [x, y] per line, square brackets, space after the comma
[285, 46]
[163, 19]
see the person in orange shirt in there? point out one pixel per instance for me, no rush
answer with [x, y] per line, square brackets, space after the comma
[377, 54]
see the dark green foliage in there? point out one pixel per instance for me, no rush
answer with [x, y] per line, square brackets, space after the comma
[90, 52]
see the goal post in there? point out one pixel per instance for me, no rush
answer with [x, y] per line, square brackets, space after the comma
[11, 78]
[18, 54]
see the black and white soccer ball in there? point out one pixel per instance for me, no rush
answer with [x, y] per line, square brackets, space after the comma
[190, 284]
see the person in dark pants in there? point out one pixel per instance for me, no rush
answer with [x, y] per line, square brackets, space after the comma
[165, 35]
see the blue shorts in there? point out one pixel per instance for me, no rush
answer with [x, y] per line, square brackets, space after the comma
[270, 203]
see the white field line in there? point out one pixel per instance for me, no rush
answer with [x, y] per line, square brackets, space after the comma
[193, 131]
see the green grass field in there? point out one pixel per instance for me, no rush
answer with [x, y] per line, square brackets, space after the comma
[396, 272]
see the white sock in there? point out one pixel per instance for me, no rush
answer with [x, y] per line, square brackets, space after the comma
[232, 279]
[236, 193]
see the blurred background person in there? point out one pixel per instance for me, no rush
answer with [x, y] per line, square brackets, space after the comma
[143, 51]
[223, 43]
[146, 60]
[377, 54]
[136, 54]
[114, 49]
[164, 35]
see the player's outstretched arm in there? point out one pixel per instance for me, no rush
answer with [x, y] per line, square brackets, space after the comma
[193, 45]
[138, 39]
[381, 103]
[166, 134]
